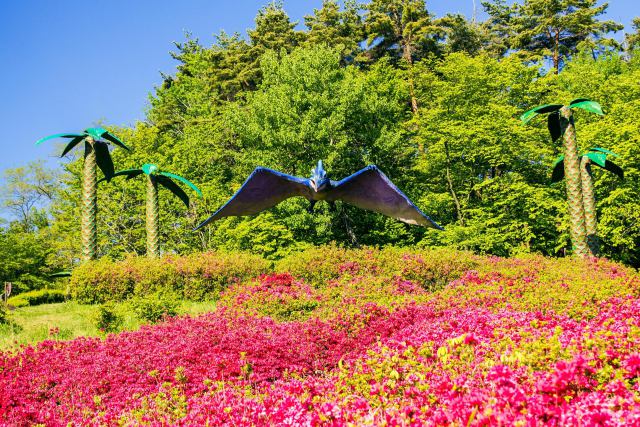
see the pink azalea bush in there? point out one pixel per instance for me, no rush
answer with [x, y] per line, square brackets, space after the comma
[506, 342]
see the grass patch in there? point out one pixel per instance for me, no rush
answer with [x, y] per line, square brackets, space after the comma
[68, 320]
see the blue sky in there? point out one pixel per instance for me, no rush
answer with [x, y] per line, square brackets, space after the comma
[67, 64]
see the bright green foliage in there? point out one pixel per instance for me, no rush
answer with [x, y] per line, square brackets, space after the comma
[23, 259]
[155, 307]
[41, 296]
[195, 277]
[107, 319]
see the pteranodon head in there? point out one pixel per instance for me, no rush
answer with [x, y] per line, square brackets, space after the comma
[319, 180]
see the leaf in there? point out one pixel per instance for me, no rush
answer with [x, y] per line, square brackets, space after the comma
[95, 133]
[149, 168]
[112, 138]
[558, 170]
[585, 104]
[542, 109]
[553, 124]
[597, 158]
[613, 168]
[602, 150]
[103, 159]
[72, 144]
[61, 274]
[183, 180]
[577, 100]
[58, 135]
[129, 173]
[173, 187]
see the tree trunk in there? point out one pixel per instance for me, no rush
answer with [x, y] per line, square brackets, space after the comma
[574, 184]
[589, 202]
[556, 53]
[456, 201]
[407, 55]
[152, 217]
[89, 228]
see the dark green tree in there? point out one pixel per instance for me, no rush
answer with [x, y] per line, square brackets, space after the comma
[552, 28]
[274, 31]
[461, 35]
[334, 27]
[403, 30]
[632, 40]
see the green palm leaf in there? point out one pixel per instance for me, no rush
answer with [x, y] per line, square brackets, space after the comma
[173, 187]
[183, 180]
[75, 141]
[129, 173]
[613, 168]
[112, 138]
[597, 158]
[602, 150]
[103, 159]
[542, 109]
[58, 135]
[150, 168]
[553, 124]
[95, 133]
[588, 105]
[558, 170]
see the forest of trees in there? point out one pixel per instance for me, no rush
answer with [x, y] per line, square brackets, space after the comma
[432, 100]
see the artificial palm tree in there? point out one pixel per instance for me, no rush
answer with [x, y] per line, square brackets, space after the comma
[96, 154]
[154, 177]
[560, 123]
[596, 156]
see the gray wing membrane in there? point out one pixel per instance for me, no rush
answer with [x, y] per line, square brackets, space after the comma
[264, 189]
[370, 189]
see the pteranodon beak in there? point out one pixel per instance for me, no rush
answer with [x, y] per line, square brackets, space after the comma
[313, 185]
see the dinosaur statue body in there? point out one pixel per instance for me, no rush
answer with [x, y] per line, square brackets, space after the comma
[368, 189]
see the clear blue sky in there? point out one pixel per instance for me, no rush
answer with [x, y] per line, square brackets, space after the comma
[66, 64]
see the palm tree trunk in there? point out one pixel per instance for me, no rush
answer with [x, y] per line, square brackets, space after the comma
[152, 217]
[574, 184]
[589, 202]
[89, 226]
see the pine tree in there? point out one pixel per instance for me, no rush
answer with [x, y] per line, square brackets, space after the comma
[333, 27]
[402, 29]
[552, 28]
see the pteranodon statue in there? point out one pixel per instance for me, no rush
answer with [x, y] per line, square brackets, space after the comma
[368, 189]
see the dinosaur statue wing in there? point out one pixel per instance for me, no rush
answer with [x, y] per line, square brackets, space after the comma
[370, 189]
[264, 189]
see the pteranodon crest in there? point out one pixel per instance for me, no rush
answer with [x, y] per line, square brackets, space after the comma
[368, 189]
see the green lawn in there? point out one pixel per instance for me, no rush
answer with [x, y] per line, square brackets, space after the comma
[32, 324]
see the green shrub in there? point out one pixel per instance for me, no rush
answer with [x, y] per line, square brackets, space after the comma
[195, 277]
[431, 269]
[153, 308]
[42, 296]
[107, 319]
[4, 314]
[17, 302]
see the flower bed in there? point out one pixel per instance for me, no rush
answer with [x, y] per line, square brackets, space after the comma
[513, 342]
